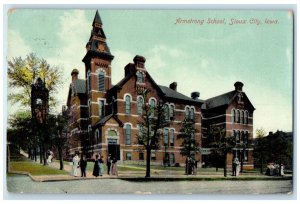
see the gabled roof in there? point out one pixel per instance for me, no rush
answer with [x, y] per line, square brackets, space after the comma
[121, 83]
[106, 118]
[79, 85]
[170, 93]
[223, 99]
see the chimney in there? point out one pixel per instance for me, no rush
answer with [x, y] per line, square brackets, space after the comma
[173, 86]
[129, 69]
[270, 133]
[139, 61]
[74, 74]
[195, 95]
[238, 86]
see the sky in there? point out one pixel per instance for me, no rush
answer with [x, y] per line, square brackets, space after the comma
[208, 58]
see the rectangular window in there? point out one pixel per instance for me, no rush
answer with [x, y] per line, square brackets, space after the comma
[101, 82]
[166, 137]
[128, 155]
[128, 135]
[141, 156]
[89, 104]
[172, 158]
[101, 108]
[246, 153]
[153, 156]
[171, 112]
[171, 137]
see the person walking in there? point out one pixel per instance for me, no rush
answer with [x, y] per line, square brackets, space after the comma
[108, 164]
[83, 164]
[96, 167]
[75, 161]
[101, 165]
[114, 167]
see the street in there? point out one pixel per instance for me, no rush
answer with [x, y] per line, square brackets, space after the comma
[24, 184]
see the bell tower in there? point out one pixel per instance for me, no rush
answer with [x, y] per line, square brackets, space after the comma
[98, 57]
[97, 62]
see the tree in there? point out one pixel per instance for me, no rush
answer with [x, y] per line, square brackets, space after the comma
[260, 147]
[23, 72]
[58, 128]
[221, 144]
[21, 133]
[150, 124]
[189, 145]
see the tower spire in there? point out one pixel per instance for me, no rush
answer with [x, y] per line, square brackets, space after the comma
[97, 19]
[97, 46]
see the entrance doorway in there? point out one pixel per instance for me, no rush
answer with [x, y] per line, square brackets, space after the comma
[114, 150]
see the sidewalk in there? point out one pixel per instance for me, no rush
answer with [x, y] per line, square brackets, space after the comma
[156, 175]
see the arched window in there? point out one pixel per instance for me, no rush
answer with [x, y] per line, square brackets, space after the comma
[233, 115]
[242, 136]
[172, 110]
[165, 133]
[166, 112]
[101, 81]
[101, 108]
[152, 103]
[89, 107]
[246, 137]
[238, 137]
[140, 77]
[89, 81]
[140, 132]
[140, 105]
[242, 117]
[246, 117]
[172, 137]
[238, 116]
[192, 113]
[97, 136]
[152, 106]
[187, 112]
[127, 104]
[127, 134]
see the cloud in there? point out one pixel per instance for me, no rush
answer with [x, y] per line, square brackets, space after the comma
[16, 45]
[71, 50]
[122, 58]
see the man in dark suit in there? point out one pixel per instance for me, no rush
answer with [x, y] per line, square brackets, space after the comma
[83, 164]
[108, 163]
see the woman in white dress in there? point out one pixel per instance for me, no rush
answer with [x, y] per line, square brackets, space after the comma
[75, 165]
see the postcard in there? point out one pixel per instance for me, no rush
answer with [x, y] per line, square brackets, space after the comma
[150, 102]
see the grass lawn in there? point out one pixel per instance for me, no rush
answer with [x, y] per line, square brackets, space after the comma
[35, 169]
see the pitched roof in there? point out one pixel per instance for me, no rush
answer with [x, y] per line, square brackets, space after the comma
[170, 93]
[106, 118]
[79, 85]
[221, 100]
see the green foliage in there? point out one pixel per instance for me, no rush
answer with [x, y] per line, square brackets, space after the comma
[275, 147]
[260, 132]
[150, 124]
[21, 133]
[219, 143]
[23, 72]
[187, 133]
